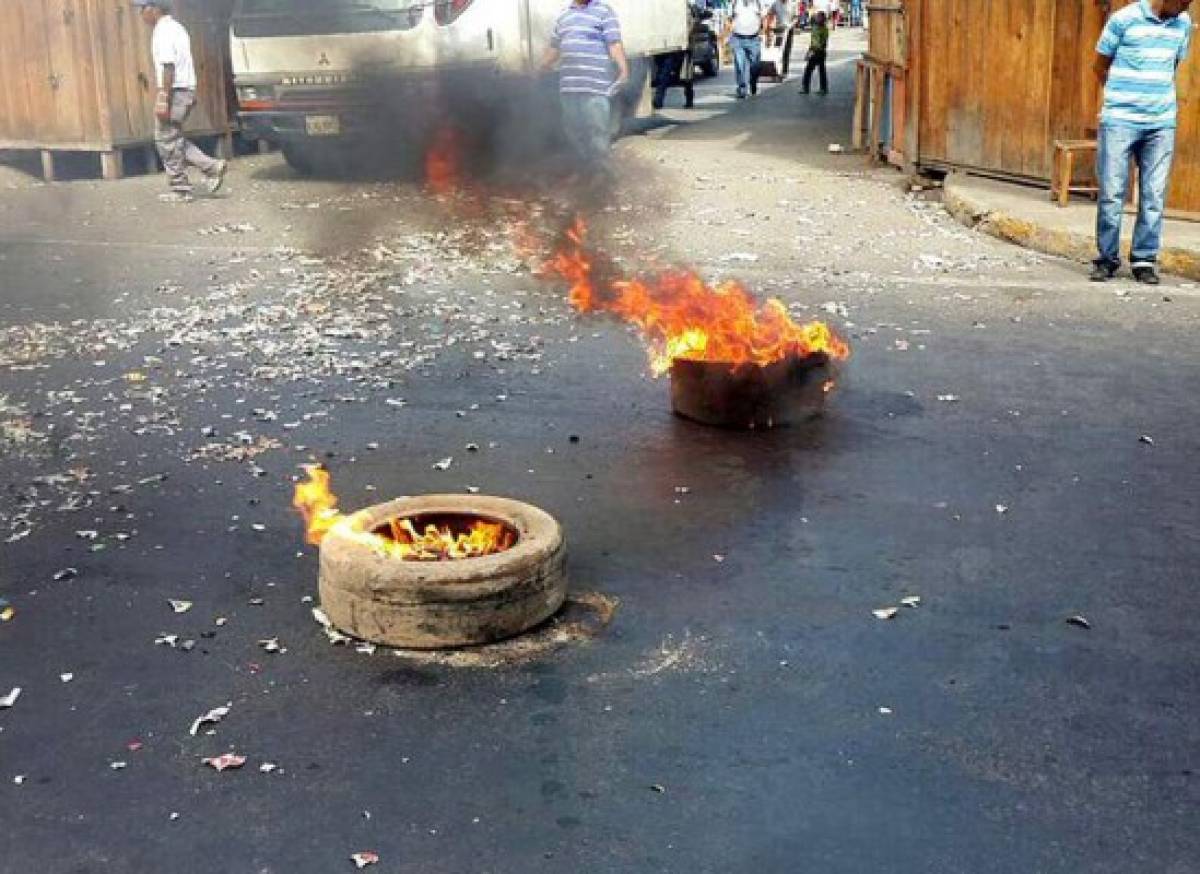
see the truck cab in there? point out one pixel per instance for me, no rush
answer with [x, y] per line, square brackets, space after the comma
[315, 76]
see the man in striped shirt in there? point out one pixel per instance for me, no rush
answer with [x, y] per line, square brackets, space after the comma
[586, 44]
[1137, 56]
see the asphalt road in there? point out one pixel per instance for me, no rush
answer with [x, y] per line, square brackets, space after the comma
[1010, 444]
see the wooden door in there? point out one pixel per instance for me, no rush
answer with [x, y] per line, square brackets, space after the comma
[985, 91]
[26, 75]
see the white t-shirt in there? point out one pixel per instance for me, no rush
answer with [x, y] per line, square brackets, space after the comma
[785, 11]
[747, 17]
[171, 45]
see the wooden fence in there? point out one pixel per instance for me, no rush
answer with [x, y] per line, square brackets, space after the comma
[76, 75]
[990, 87]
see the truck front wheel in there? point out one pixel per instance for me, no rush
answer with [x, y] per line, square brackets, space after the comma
[299, 160]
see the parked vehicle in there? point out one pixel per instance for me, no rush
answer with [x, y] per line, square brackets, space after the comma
[311, 74]
[705, 42]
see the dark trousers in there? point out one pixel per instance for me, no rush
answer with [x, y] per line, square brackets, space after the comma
[816, 61]
[674, 69]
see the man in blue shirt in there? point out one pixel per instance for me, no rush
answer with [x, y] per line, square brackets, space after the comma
[586, 44]
[1137, 57]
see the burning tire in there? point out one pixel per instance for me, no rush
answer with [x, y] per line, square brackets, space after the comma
[432, 604]
[787, 392]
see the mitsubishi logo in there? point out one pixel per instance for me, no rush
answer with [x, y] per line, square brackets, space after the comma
[323, 61]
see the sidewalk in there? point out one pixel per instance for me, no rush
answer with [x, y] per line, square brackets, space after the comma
[1025, 216]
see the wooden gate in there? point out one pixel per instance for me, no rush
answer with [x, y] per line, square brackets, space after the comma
[999, 82]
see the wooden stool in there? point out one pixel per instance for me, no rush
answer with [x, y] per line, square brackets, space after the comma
[1064, 168]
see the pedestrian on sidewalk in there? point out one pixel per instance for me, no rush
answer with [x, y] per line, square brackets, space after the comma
[175, 70]
[818, 47]
[586, 46]
[747, 25]
[1137, 57]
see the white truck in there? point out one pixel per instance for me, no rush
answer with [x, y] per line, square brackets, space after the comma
[317, 76]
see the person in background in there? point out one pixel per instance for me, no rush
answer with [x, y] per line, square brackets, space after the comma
[835, 14]
[783, 21]
[175, 70]
[746, 25]
[856, 13]
[1137, 57]
[817, 49]
[679, 68]
[586, 46]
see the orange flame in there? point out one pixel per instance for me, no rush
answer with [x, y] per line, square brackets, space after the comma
[681, 316]
[443, 162]
[318, 505]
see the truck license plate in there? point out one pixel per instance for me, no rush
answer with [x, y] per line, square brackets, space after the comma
[322, 125]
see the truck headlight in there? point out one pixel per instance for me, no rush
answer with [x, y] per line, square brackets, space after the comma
[253, 93]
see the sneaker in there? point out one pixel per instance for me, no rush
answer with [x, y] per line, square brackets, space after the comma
[213, 183]
[1146, 275]
[1101, 272]
[176, 197]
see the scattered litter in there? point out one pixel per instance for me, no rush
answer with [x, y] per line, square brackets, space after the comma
[1001, 509]
[179, 606]
[836, 148]
[1080, 621]
[949, 399]
[741, 257]
[211, 718]
[19, 779]
[885, 612]
[227, 761]
[718, 558]
[67, 573]
[444, 464]
[365, 648]
[885, 711]
[164, 639]
[67, 677]
[11, 698]
[271, 644]
[365, 858]
[658, 787]
[6, 610]
[118, 766]
[267, 768]
[911, 600]
[1147, 439]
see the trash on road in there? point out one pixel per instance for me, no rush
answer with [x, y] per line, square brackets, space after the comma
[211, 718]
[225, 762]
[11, 698]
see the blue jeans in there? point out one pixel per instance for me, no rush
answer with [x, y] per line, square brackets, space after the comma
[1153, 150]
[747, 52]
[586, 121]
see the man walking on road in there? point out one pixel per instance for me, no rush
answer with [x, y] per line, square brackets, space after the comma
[1137, 57]
[175, 70]
[746, 29]
[586, 44]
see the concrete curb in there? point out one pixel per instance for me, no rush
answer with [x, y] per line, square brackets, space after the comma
[1050, 240]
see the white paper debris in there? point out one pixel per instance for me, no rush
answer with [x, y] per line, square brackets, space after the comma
[885, 612]
[211, 718]
[363, 859]
[444, 464]
[179, 606]
[11, 698]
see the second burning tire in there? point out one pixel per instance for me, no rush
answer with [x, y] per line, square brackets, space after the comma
[429, 605]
